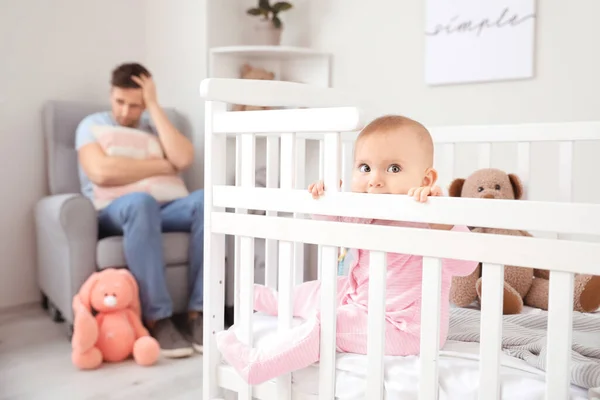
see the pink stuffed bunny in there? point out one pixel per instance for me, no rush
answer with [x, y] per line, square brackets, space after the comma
[117, 331]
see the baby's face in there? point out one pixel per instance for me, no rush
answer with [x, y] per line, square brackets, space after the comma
[388, 163]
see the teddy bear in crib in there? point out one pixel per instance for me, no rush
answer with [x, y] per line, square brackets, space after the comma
[522, 286]
[116, 332]
[250, 72]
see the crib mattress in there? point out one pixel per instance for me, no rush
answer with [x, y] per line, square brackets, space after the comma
[458, 373]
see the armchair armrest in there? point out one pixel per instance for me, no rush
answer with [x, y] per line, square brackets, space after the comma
[67, 235]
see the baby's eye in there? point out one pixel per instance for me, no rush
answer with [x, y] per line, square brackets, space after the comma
[364, 168]
[497, 187]
[394, 168]
[480, 189]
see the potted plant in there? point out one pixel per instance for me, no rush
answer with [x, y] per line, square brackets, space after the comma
[269, 26]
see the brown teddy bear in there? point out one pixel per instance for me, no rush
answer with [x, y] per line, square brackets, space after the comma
[250, 72]
[522, 286]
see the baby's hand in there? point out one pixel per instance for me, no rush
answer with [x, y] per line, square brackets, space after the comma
[421, 193]
[318, 188]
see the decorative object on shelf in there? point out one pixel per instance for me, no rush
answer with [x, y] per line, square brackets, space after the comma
[268, 28]
[479, 41]
[250, 72]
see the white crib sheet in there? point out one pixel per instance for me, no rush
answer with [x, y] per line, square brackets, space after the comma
[458, 373]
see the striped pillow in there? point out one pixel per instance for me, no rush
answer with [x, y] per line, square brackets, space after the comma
[135, 143]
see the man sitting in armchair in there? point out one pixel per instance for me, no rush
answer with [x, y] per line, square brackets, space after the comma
[138, 216]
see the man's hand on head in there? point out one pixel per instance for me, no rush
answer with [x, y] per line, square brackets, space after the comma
[148, 88]
[178, 149]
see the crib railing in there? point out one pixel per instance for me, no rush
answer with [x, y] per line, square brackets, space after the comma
[492, 250]
[521, 139]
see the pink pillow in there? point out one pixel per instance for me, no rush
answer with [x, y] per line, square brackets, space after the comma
[135, 143]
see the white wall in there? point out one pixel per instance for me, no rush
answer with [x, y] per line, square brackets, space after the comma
[379, 53]
[225, 22]
[59, 49]
[65, 49]
[176, 51]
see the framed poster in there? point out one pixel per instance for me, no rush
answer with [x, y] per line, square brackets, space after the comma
[478, 41]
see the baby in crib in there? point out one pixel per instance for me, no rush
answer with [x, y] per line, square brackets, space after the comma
[393, 155]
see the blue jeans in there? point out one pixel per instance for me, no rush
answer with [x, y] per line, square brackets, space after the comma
[141, 220]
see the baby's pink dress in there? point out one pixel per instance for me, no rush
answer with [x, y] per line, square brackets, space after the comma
[299, 347]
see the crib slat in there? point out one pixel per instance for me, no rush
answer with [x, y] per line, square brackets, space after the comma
[321, 159]
[299, 183]
[559, 335]
[565, 175]
[430, 328]
[321, 177]
[329, 278]
[272, 182]
[214, 254]
[491, 331]
[286, 248]
[300, 167]
[446, 169]
[237, 243]
[484, 155]
[286, 259]
[565, 181]
[560, 301]
[347, 164]
[319, 260]
[247, 256]
[376, 325]
[524, 165]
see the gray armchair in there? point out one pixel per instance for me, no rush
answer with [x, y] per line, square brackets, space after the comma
[68, 248]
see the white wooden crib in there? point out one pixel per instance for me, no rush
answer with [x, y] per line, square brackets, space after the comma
[331, 118]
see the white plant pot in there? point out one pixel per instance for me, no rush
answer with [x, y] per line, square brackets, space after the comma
[265, 34]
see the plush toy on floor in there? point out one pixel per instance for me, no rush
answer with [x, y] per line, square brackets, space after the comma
[116, 332]
[522, 286]
[250, 72]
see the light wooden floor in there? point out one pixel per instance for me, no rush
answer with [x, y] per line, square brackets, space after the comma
[35, 364]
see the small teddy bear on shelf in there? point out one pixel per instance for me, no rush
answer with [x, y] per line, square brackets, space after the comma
[522, 286]
[250, 72]
[116, 332]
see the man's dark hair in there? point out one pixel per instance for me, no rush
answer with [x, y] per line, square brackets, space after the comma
[121, 75]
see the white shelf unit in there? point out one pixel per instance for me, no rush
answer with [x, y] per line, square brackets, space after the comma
[294, 64]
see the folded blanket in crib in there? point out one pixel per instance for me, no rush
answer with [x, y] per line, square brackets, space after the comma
[524, 337]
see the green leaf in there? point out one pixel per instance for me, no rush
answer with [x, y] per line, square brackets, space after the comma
[254, 11]
[277, 22]
[264, 4]
[281, 6]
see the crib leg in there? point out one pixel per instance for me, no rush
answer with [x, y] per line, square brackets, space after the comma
[214, 254]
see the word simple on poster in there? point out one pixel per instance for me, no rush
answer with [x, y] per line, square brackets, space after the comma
[478, 41]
